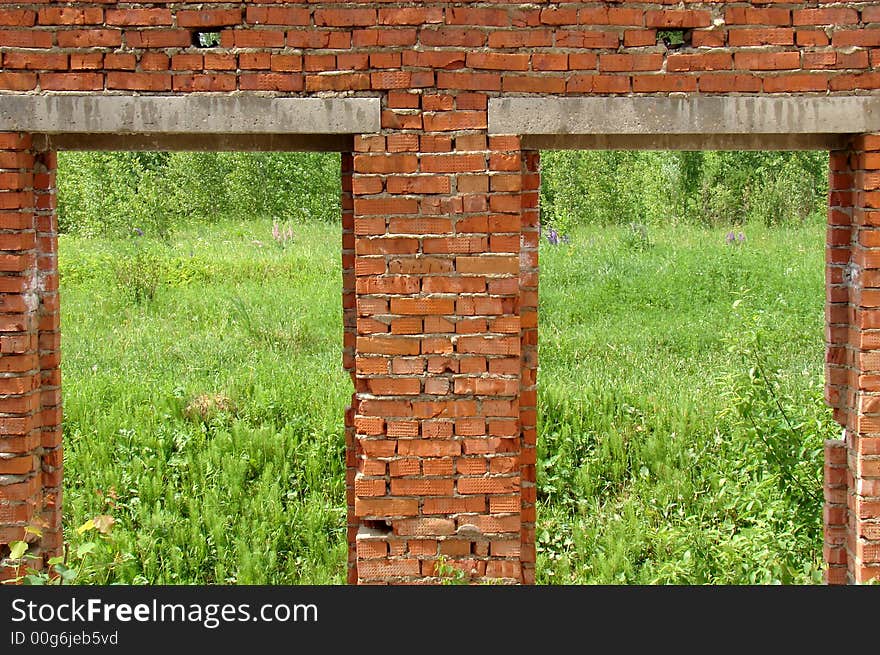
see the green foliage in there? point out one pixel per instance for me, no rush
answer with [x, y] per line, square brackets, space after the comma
[701, 188]
[650, 468]
[114, 193]
[635, 237]
[208, 421]
[450, 574]
[138, 269]
[90, 562]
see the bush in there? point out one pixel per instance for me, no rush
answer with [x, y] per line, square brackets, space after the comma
[702, 188]
[115, 193]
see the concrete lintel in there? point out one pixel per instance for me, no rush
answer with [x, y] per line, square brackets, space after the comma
[684, 141]
[190, 114]
[197, 142]
[685, 115]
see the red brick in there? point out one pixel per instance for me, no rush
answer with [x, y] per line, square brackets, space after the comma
[338, 82]
[204, 82]
[18, 81]
[277, 16]
[669, 18]
[758, 37]
[410, 16]
[146, 17]
[139, 81]
[756, 16]
[630, 62]
[480, 16]
[515, 39]
[765, 61]
[70, 16]
[153, 38]
[25, 39]
[345, 17]
[587, 39]
[637, 38]
[796, 82]
[469, 81]
[208, 17]
[498, 61]
[422, 487]
[827, 16]
[667, 83]
[699, 62]
[71, 81]
[90, 38]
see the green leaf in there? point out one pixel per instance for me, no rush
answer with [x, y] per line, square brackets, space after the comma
[84, 549]
[35, 579]
[17, 549]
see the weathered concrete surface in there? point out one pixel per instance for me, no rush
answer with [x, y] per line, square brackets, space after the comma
[197, 142]
[818, 117]
[684, 141]
[202, 114]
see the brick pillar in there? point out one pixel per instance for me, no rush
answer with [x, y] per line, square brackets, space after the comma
[835, 513]
[531, 184]
[437, 222]
[349, 321]
[854, 360]
[30, 436]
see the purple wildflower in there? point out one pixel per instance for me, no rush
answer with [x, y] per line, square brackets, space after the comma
[741, 237]
[552, 237]
[730, 238]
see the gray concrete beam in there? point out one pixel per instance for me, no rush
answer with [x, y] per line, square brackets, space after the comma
[197, 142]
[684, 141]
[692, 118]
[191, 114]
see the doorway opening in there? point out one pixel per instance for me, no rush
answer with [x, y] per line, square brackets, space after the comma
[203, 394]
[681, 410]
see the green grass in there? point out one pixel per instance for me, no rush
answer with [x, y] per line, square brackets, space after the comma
[646, 474]
[208, 420]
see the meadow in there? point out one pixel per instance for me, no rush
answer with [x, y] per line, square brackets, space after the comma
[680, 405]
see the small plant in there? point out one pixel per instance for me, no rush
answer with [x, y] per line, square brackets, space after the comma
[671, 38]
[554, 238]
[635, 237]
[139, 270]
[80, 565]
[449, 574]
[737, 239]
[283, 236]
[206, 39]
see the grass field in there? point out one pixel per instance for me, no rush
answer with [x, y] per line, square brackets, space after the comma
[204, 395]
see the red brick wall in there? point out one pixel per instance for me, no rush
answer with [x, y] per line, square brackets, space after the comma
[439, 231]
[30, 394]
[852, 471]
[565, 47]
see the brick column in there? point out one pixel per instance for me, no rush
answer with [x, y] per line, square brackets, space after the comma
[349, 326]
[30, 435]
[854, 361]
[531, 184]
[437, 221]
